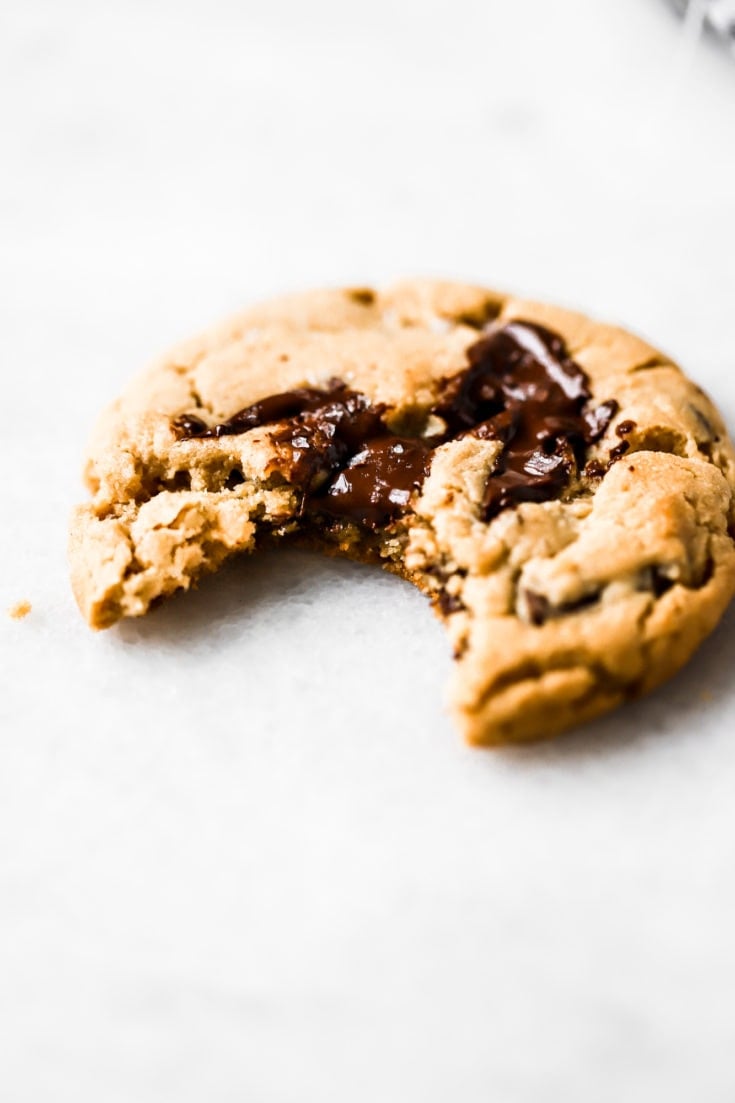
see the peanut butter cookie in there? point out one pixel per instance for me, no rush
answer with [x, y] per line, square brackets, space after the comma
[557, 487]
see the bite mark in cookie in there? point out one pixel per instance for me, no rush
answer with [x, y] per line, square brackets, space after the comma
[568, 513]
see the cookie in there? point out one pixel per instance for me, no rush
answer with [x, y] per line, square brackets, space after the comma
[558, 488]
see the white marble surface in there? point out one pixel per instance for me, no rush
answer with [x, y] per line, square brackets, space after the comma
[242, 854]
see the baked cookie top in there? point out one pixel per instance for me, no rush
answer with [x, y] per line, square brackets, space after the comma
[560, 490]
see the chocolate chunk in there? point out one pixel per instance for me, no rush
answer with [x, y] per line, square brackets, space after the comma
[599, 418]
[661, 584]
[340, 451]
[448, 603]
[377, 483]
[595, 469]
[332, 403]
[623, 428]
[538, 607]
[523, 388]
[619, 450]
[520, 388]
[364, 296]
[657, 581]
[189, 425]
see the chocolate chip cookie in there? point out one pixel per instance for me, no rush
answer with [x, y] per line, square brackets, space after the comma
[558, 488]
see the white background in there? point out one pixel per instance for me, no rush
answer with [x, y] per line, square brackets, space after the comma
[243, 856]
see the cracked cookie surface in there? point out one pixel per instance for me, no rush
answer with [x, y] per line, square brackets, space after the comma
[561, 599]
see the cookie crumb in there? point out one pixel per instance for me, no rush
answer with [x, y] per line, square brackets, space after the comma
[20, 610]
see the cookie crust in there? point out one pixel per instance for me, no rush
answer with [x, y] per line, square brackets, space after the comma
[556, 611]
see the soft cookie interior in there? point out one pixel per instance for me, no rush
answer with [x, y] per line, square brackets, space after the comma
[556, 609]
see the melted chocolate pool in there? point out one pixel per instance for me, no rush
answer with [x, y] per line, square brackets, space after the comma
[520, 388]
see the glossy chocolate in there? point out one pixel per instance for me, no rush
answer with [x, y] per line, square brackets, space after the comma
[378, 482]
[339, 451]
[523, 389]
[520, 388]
